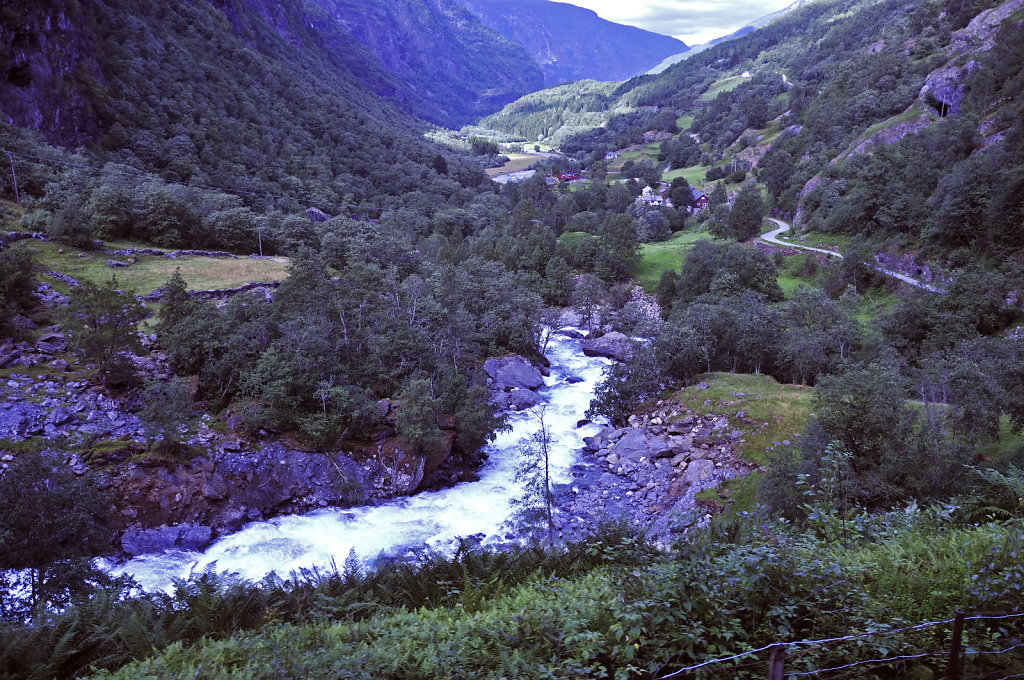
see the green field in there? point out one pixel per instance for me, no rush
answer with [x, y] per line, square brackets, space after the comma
[149, 273]
[516, 162]
[725, 85]
[656, 258]
[773, 413]
[788, 283]
[695, 175]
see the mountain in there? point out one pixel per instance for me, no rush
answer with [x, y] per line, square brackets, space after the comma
[53, 62]
[450, 68]
[755, 24]
[571, 43]
[265, 97]
[697, 49]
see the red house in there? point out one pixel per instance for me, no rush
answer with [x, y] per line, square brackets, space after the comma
[698, 201]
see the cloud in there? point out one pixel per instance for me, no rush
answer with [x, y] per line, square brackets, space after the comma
[693, 21]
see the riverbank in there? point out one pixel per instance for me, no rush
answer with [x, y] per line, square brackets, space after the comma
[649, 473]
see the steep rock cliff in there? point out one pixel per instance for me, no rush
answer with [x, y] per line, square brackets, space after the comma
[45, 56]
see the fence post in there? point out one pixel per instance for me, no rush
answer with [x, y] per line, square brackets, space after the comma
[953, 670]
[777, 663]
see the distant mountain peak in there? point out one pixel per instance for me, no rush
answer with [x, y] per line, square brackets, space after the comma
[572, 43]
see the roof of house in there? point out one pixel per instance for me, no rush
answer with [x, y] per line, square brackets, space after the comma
[696, 194]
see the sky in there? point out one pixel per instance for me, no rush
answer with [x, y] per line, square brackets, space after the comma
[692, 21]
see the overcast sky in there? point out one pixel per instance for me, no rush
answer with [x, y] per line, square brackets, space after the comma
[692, 21]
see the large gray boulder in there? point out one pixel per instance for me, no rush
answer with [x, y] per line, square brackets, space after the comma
[513, 372]
[634, 445]
[698, 471]
[612, 345]
[178, 537]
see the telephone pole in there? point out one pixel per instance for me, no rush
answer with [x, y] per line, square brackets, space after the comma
[17, 198]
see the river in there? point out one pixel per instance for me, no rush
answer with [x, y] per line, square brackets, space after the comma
[433, 519]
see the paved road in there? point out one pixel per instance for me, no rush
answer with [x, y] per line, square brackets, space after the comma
[773, 238]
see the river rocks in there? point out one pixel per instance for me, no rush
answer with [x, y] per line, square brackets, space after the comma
[649, 473]
[179, 537]
[512, 381]
[513, 372]
[612, 345]
[519, 400]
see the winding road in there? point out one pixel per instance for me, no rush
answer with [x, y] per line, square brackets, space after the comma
[773, 238]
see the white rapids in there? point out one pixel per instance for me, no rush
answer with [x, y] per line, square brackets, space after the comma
[435, 519]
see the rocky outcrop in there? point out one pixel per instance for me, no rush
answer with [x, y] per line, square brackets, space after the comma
[944, 87]
[812, 184]
[888, 135]
[512, 380]
[178, 537]
[44, 53]
[612, 345]
[164, 503]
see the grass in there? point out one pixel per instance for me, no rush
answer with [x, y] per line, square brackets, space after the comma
[789, 282]
[516, 162]
[149, 273]
[1008, 444]
[656, 258]
[685, 122]
[817, 239]
[874, 303]
[773, 413]
[695, 175]
[725, 85]
[10, 216]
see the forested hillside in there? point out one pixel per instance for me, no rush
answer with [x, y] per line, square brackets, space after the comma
[836, 110]
[58, 58]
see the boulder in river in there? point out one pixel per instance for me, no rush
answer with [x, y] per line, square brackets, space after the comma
[513, 372]
[177, 537]
[612, 345]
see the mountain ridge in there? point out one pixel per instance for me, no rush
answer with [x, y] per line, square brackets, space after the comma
[572, 43]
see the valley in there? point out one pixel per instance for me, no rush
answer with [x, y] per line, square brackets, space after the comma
[335, 344]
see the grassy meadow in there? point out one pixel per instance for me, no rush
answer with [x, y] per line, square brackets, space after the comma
[516, 162]
[656, 258]
[147, 273]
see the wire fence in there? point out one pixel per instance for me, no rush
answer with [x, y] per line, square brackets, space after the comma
[956, 653]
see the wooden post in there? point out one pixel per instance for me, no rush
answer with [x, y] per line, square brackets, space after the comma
[17, 198]
[777, 663]
[953, 670]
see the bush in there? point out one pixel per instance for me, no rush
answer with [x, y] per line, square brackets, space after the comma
[17, 285]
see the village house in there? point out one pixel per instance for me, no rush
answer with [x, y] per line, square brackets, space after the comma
[698, 200]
